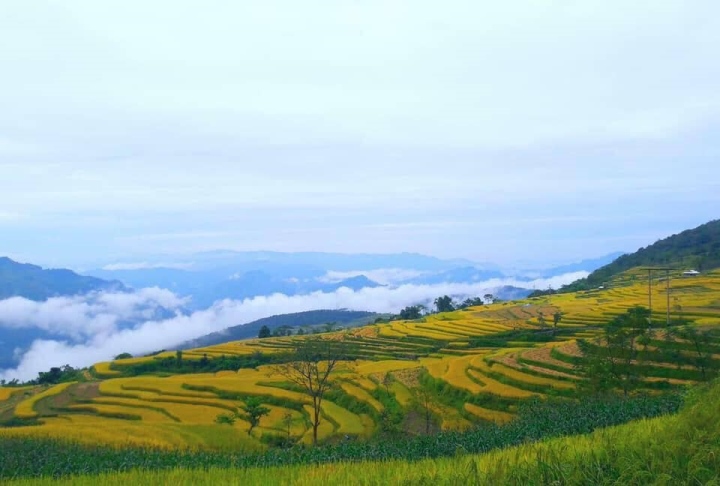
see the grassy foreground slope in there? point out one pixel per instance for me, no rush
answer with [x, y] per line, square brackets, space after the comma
[679, 449]
[477, 366]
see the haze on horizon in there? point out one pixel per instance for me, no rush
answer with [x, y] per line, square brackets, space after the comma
[498, 132]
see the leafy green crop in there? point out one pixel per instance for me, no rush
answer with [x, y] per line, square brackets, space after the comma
[36, 457]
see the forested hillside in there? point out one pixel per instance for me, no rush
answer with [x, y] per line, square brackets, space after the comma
[697, 248]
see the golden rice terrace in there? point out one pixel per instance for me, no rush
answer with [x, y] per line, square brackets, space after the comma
[466, 368]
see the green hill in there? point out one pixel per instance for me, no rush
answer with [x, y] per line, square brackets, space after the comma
[697, 248]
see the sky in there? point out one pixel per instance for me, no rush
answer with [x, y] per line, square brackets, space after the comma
[505, 132]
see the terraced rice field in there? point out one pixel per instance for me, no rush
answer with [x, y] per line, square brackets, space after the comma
[456, 349]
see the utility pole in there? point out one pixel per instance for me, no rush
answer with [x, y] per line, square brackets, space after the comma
[667, 291]
[650, 290]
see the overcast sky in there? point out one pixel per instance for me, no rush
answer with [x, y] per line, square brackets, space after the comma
[541, 131]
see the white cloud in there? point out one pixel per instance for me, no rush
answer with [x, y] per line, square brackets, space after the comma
[93, 322]
[82, 317]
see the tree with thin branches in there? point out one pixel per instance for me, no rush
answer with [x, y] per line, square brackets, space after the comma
[313, 361]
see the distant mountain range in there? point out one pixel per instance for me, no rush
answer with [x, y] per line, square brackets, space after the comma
[36, 283]
[212, 276]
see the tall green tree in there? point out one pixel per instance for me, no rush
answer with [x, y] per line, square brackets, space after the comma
[411, 312]
[264, 332]
[254, 411]
[444, 304]
[557, 317]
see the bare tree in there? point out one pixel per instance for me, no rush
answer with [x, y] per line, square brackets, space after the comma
[424, 398]
[288, 420]
[314, 359]
[387, 382]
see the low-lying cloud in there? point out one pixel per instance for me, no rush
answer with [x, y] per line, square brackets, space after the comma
[91, 322]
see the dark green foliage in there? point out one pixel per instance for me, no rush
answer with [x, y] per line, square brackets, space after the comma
[444, 304]
[123, 356]
[557, 317]
[281, 331]
[613, 362]
[629, 349]
[57, 375]
[264, 332]
[411, 312]
[391, 418]
[254, 410]
[20, 422]
[226, 419]
[474, 302]
[36, 457]
[177, 365]
[274, 440]
[502, 339]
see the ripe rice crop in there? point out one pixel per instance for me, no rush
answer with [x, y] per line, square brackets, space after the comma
[450, 418]
[495, 416]
[388, 331]
[361, 395]
[25, 409]
[402, 393]
[276, 420]
[325, 429]
[103, 370]
[120, 411]
[6, 393]
[247, 385]
[437, 367]
[364, 382]
[195, 411]
[191, 413]
[497, 388]
[367, 368]
[347, 422]
[456, 375]
[519, 376]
